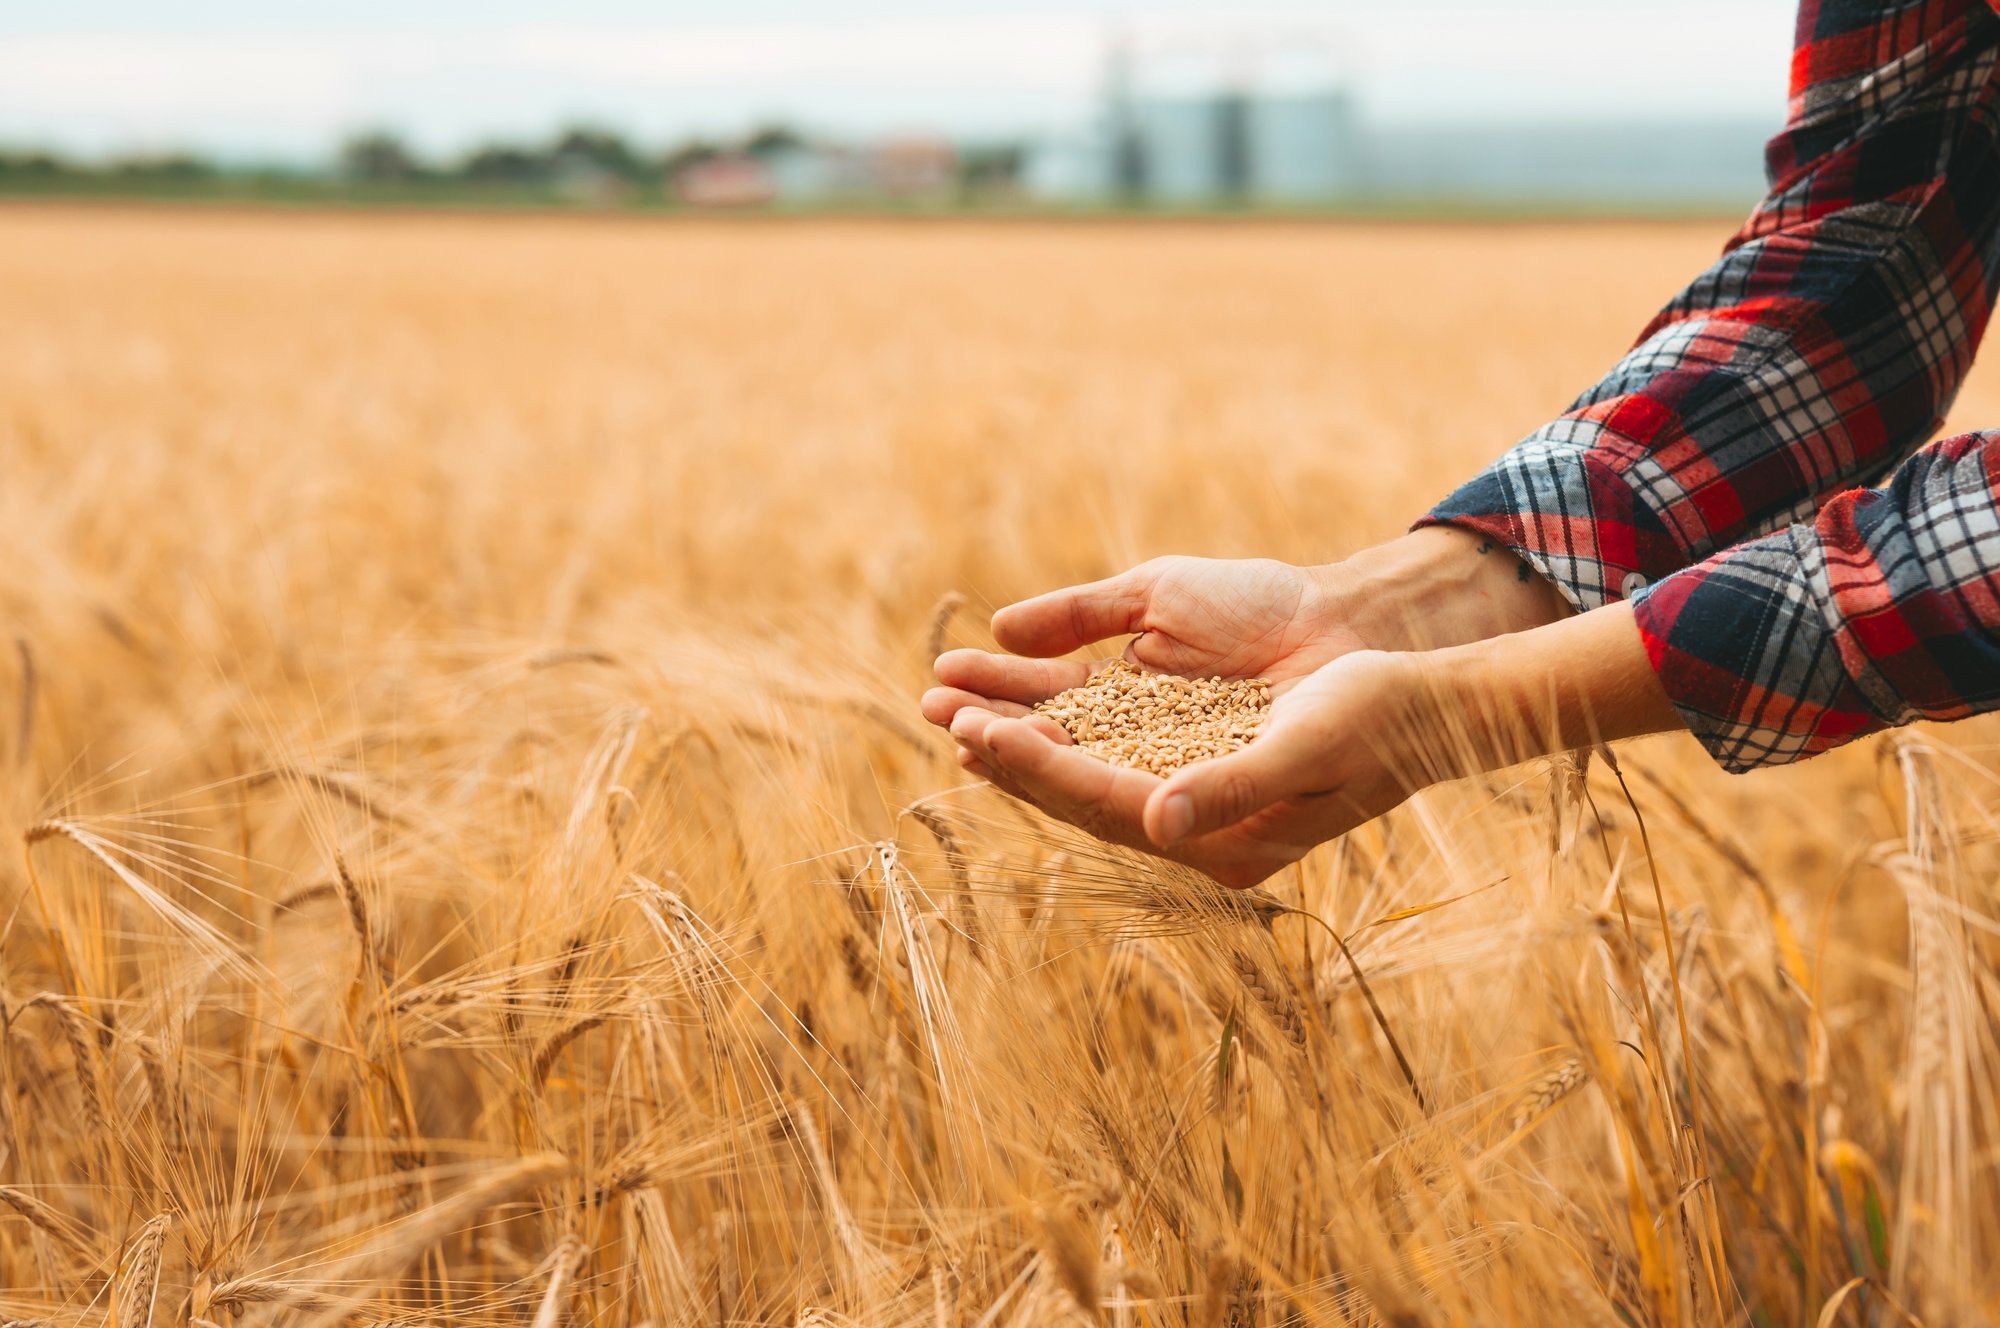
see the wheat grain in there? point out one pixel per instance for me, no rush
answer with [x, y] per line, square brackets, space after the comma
[38, 1214]
[942, 613]
[358, 916]
[236, 1295]
[166, 1100]
[1159, 722]
[545, 1055]
[1545, 1092]
[568, 1257]
[1270, 997]
[1073, 1249]
[1218, 1286]
[83, 1059]
[138, 1287]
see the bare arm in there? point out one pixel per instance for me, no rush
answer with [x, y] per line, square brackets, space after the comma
[1345, 744]
[1250, 617]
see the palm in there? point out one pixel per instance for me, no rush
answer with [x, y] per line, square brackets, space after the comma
[1242, 619]
[1344, 786]
[1195, 616]
[1315, 779]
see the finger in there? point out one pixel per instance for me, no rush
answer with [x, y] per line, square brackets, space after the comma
[970, 762]
[1237, 865]
[971, 727]
[976, 756]
[1107, 800]
[1212, 795]
[939, 704]
[1049, 729]
[1009, 677]
[1068, 619]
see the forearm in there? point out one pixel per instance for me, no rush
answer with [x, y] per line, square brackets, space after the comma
[1882, 610]
[1573, 683]
[1821, 348]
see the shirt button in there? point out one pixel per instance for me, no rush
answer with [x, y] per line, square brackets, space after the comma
[1631, 585]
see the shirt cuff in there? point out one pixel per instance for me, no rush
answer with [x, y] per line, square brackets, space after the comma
[1747, 650]
[1562, 508]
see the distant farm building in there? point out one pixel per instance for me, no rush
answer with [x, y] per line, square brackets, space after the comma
[918, 167]
[804, 174]
[815, 173]
[1162, 137]
[1194, 150]
[1261, 118]
[730, 180]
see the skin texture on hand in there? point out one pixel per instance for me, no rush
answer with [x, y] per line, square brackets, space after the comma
[1250, 618]
[1348, 739]
[1254, 829]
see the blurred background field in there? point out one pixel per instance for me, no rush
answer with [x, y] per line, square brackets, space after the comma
[1174, 106]
[479, 861]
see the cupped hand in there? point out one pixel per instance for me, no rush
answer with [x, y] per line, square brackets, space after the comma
[1250, 618]
[1246, 618]
[1344, 744]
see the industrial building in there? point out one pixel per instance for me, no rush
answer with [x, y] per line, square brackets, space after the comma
[1195, 151]
[1236, 133]
[1225, 139]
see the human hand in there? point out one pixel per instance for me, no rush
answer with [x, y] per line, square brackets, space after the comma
[1192, 616]
[1323, 764]
[1249, 618]
[1342, 745]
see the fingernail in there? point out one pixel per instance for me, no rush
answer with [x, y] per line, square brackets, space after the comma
[1176, 817]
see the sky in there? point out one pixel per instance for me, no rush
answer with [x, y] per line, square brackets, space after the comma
[285, 82]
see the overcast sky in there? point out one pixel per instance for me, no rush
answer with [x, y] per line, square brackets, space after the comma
[286, 80]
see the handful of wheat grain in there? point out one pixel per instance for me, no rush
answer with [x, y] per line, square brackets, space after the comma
[1159, 722]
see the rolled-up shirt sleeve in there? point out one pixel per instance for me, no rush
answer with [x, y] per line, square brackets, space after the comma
[1881, 610]
[1821, 349]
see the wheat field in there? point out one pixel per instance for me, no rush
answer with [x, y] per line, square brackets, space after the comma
[472, 856]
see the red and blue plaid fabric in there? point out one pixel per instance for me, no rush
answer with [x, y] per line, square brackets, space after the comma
[1711, 476]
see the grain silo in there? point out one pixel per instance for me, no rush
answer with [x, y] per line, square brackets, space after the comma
[1301, 146]
[1180, 141]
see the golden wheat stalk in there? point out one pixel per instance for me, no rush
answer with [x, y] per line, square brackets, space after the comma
[1542, 1096]
[43, 1217]
[137, 1288]
[346, 1286]
[569, 1255]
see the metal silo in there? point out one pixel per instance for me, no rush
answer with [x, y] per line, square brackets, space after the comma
[1180, 141]
[1301, 147]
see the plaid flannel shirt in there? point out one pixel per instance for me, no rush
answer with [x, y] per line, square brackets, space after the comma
[1711, 476]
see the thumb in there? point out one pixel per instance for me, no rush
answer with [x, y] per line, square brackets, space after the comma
[1076, 616]
[1212, 795]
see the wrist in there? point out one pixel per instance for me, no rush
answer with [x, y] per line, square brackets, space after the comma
[1435, 587]
[1484, 701]
[1585, 680]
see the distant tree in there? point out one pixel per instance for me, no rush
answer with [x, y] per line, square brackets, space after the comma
[506, 163]
[590, 148]
[773, 139]
[378, 156]
[171, 168]
[32, 166]
[992, 168]
[684, 155]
